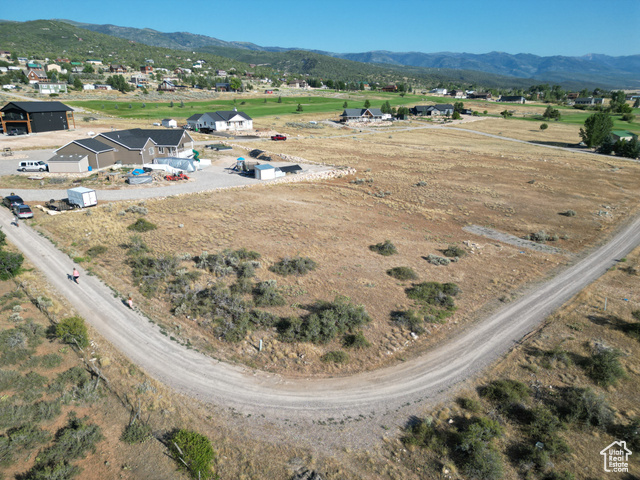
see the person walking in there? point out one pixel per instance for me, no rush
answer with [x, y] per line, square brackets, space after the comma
[130, 302]
[15, 220]
[75, 274]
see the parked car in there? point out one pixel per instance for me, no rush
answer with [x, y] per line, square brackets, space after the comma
[23, 211]
[11, 201]
[278, 137]
[31, 166]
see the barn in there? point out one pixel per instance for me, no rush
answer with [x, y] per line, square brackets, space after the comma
[36, 117]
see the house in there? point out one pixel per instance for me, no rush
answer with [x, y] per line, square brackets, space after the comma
[361, 115]
[298, 84]
[458, 94]
[130, 147]
[88, 86]
[49, 88]
[117, 68]
[36, 117]
[512, 99]
[617, 135]
[34, 66]
[439, 91]
[480, 95]
[37, 76]
[420, 110]
[23, 60]
[71, 156]
[94, 62]
[146, 69]
[572, 95]
[169, 123]
[390, 88]
[166, 86]
[438, 110]
[52, 67]
[220, 121]
[223, 87]
[221, 73]
[102, 86]
[589, 101]
[269, 92]
[139, 80]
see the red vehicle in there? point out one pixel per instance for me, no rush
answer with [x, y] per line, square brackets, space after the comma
[278, 137]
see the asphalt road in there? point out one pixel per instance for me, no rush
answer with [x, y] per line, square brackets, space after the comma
[276, 397]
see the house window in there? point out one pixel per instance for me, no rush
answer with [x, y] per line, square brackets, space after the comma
[150, 150]
[160, 149]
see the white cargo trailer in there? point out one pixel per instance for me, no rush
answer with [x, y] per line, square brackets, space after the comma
[82, 197]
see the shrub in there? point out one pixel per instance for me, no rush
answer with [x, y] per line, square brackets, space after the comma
[434, 293]
[454, 251]
[293, 266]
[409, 319]
[142, 210]
[266, 294]
[402, 273]
[73, 331]
[136, 246]
[97, 250]
[470, 404]
[437, 260]
[386, 248]
[482, 461]
[506, 391]
[604, 368]
[136, 432]
[193, 453]
[337, 356]
[356, 341]
[142, 225]
[568, 213]
[149, 272]
[3, 238]
[10, 264]
[539, 237]
[327, 320]
[583, 405]
[544, 126]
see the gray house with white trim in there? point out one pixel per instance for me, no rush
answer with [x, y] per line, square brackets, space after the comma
[220, 121]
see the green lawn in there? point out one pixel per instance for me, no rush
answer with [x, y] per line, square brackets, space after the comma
[254, 107]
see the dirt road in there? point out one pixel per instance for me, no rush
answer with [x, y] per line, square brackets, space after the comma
[275, 397]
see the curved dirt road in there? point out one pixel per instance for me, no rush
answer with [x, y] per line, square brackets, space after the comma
[275, 397]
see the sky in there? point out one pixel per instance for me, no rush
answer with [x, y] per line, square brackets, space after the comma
[540, 27]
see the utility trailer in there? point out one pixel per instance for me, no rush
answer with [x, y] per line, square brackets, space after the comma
[82, 197]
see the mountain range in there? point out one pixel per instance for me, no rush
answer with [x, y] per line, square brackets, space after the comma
[593, 69]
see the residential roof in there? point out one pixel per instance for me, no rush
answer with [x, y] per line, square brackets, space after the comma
[96, 146]
[195, 116]
[136, 138]
[38, 107]
[359, 112]
[226, 115]
[443, 106]
[622, 133]
[73, 157]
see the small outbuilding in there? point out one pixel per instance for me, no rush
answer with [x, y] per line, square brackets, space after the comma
[72, 163]
[169, 123]
[265, 172]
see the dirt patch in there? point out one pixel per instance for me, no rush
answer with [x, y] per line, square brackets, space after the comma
[510, 239]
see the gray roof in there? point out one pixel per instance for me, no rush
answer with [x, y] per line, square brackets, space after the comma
[73, 157]
[359, 112]
[195, 117]
[38, 107]
[136, 138]
[226, 115]
[94, 145]
[443, 106]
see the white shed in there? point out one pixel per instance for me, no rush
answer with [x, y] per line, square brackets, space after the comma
[169, 123]
[73, 163]
[265, 172]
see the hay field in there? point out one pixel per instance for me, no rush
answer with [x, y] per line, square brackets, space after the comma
[464, 179]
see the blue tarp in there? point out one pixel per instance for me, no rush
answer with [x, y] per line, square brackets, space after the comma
[137, 171]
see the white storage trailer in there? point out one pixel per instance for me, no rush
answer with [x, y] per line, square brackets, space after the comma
[82, 197]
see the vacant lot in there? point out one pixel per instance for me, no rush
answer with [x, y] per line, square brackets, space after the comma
[416, 188]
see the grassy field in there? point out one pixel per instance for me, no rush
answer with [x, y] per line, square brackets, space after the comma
[262, 106]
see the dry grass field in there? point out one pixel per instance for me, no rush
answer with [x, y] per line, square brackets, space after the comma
[417, 188]
[548, 362]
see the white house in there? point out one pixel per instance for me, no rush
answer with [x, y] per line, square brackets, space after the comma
[169, 123]
[221, 121]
